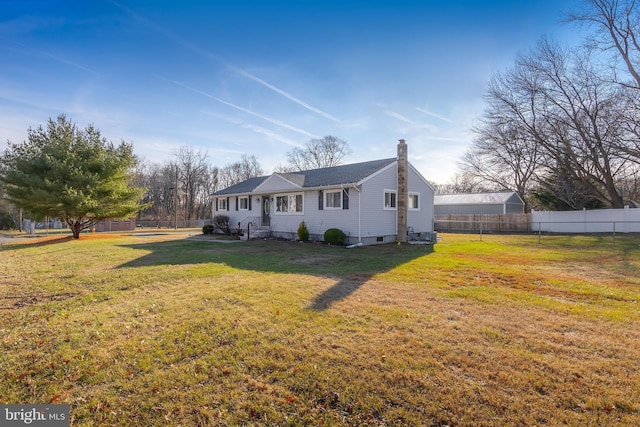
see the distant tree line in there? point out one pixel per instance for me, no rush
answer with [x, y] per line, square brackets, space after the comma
[183, 185]
[562, 125]
[75, 175]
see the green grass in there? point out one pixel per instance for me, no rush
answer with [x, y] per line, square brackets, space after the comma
[164, 330]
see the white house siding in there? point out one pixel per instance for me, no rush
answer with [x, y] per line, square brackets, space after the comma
[318, 221]
[236, 216]
[371, 219]
[286, 224]
[421, 220]
[378, 222]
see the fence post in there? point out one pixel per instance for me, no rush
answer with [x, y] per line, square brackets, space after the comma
[614, 233]
[539, 231]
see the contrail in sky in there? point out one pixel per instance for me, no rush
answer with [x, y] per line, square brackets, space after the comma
[402, 118]
[253, 113]
[285, 94]
[269, 119]
[254, 128]
[147, 23]
[437, 116]
[206, 54]
[24, 49]
[399, 117]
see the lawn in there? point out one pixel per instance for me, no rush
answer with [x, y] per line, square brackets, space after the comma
[176, 330]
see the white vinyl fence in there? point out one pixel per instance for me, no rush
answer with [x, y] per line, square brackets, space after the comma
[625, 220]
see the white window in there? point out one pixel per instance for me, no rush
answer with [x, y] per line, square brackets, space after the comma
[222, 204]
[289, 203]
[333, 200]
[244, 203]
[414, 201]
[295, 203]
[389, 199]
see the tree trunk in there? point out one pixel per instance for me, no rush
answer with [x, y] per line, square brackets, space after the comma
[76, 228]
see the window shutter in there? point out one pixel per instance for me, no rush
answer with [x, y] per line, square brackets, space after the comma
[228, 205]
[216, 203]
[236, 202]
[249, 202]
[345, 198]
[320, 200]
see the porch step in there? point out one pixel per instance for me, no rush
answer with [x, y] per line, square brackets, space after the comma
[260, 233]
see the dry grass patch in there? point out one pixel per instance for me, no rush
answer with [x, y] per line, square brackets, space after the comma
[165, 331]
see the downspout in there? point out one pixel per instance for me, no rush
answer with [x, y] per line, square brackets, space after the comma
[359, 215]
[359, 222]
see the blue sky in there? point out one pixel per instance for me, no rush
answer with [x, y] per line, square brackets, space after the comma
[262, 77]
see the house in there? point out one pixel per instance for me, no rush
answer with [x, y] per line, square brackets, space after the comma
[502, 202]
[371, 202]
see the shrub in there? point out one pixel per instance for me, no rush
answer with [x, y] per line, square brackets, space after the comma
[208, 229]
[303, 232]
[222, 222]
[334, 236]
[6, 221]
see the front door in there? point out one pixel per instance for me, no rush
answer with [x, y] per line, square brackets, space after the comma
[266, 211]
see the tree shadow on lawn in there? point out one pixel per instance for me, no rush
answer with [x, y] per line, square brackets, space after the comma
[31, 241]
[351, 267]
[25, 242]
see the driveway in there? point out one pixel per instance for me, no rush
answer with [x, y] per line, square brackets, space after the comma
[5, 239]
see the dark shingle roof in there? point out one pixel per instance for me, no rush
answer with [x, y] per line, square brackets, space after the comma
[242, 187]
[324, 177]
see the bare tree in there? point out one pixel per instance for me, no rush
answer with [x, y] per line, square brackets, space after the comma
[617, 30]
[554, 97]
[317, 153]
[503, 157]
[209, 186]
[286, 168]
[154, 196]
[233, 173]
[179, 188]
[630, 186]
[616, 25]
[461, 182]
[565, 123]
[193, 177]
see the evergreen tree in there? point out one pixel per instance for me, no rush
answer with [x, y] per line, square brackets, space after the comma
[71, 174]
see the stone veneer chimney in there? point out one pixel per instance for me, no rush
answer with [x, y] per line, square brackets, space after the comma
[402, 202]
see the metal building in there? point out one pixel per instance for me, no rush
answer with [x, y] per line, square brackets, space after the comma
[503, 202]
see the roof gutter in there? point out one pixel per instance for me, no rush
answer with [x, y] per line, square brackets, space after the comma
[293, 190]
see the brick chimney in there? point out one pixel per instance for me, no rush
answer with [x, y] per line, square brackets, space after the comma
[402, 202]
